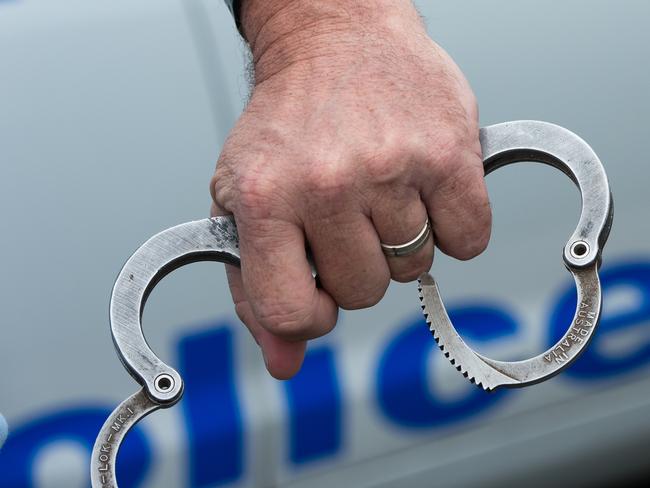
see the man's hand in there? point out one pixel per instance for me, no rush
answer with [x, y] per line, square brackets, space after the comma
[359, 126]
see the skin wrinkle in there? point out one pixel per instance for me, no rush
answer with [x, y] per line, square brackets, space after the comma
[300, 43]
[305, 34]
[283, 318]
[249, 16]
[358, 126]
[302, 32]
[255, 201]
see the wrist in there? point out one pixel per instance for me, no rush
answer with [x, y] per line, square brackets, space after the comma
[284, 33]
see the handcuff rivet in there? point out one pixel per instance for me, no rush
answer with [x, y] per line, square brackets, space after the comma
[539, 142]
[164, 383]
[216, 239]
[579, 249]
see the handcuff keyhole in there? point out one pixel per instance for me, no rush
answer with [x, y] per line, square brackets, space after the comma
[164, 383]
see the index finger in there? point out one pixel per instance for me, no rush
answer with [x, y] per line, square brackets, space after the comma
[278, 281]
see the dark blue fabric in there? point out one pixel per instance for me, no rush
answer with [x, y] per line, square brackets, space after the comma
[233, 6]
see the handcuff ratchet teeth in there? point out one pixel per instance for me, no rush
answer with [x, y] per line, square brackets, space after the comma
[513, 142]
[216, 239]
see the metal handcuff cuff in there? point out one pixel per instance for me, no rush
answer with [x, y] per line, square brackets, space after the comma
[216, 239]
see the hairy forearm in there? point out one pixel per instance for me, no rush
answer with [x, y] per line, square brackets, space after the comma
[285, 32]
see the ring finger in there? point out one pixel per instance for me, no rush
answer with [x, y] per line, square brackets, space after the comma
[399, 220]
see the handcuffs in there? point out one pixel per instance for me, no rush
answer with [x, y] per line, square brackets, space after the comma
[216, 239]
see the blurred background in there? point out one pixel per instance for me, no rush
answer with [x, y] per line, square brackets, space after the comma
[112, 115]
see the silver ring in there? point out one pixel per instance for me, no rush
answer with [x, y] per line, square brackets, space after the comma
[411, 246]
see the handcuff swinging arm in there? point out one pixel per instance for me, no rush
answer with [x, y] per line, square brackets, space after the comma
[203, 240]
[216, 239]
[512, 142]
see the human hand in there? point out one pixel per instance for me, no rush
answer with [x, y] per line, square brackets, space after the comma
[358, 128]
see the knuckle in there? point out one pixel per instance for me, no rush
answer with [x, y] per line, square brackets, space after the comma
[325, 179]
[255, 192]
[416, 266]
[482, 239]
[389, 163]
[221, 185]
[472, 245]
[289, 319]
[242, 312]
[406, 276]
[459, 180]
[467, 251]
[449, 142]
[454, 143]
[383, 170]
[368, 297]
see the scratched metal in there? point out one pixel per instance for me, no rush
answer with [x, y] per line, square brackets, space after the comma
[212, 239]
[107, 444]
[216, 239]
[202, 240]
[541, 142]
[529, 140]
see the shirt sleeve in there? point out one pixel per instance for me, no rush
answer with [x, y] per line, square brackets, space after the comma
[230, 5]
[233, 6]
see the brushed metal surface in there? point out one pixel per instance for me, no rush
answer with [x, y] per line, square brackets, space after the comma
[216, 239]
[535, 141]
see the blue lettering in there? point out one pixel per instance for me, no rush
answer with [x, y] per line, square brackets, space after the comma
[629, 277]
[211, 408]
[314, 404]
[402, 379]
[79, 425]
